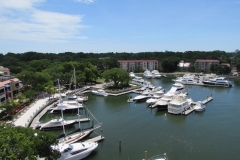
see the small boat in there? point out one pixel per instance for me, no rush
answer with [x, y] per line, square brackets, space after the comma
[100, 92]
[199, 106]
[159, 157]
[74, 151]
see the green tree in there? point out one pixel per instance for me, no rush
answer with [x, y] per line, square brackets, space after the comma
[21, 143]
[117, 76]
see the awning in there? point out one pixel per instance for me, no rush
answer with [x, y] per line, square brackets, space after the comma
[7, 85]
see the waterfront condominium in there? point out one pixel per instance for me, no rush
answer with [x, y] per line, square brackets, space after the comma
[203, 65]
[138, 65]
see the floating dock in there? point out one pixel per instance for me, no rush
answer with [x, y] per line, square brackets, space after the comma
[204, 102]
[95, 139]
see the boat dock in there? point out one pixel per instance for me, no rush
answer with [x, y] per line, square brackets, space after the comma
[204, 102]
[95, 139]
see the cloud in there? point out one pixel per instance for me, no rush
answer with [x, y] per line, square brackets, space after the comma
[26, 22]
[86, 1]
[19, 4]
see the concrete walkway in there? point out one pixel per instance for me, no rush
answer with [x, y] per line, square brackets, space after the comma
[28, 114]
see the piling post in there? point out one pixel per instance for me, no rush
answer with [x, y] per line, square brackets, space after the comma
[120, 147]
[145, 155]
[101, 133]
[88, 116]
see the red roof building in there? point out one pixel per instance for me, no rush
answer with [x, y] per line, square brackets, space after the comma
[5, 71]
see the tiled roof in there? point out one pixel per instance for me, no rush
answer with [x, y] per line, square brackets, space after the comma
[2, 84]
[4, 69]
[137, 61]
[206, 60]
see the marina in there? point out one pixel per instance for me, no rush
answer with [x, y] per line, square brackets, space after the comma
[180, 137]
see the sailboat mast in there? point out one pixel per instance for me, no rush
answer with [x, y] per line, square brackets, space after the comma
[61, 106]
[79, 123]
[74, 80]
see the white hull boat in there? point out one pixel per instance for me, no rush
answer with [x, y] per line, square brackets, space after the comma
[199, 106]
[100, 92]
[75, 151]
[179, 104]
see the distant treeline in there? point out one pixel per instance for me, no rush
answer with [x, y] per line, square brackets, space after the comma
[168, 60]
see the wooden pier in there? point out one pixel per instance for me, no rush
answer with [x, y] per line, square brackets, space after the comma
[204, 102]
[95, 139]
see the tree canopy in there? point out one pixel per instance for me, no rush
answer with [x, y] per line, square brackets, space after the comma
[20, 143]
[117, 76]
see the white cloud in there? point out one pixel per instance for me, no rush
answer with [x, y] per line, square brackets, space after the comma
[85, 1]
[27, 23]
[19, 4]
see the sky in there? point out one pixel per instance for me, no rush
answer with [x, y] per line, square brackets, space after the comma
[101, 26]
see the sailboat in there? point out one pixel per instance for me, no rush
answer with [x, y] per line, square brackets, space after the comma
[73, 150]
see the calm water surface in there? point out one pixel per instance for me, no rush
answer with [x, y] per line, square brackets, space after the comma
[213, 134]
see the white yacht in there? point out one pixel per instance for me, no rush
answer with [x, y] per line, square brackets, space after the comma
[162, 103]
[55, 124]
[186, 79]
[155, 74]
[199, 106]
[219, 81]
[74, 151]
[179, 86]
[66, 106]
[147, 74]
[72, 97]
[155, 97]
[179, 104]
[100, 92]
[131, 74]
[143, 96]
[138, 80]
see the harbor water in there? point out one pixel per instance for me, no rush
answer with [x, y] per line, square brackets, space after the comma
[130, 129]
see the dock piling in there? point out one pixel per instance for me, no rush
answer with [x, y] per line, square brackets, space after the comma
[101, 133]
[120, 147]
[145, 155]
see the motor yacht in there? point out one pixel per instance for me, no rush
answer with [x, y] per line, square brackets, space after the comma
[179, 86]
[199, 106]
[143, 96]
[155, 97]
[147, 74]
[186, 79]
[179, 104]
[100, 92]
[162, 103]
[55, 124]
[66, 106]
[72, 97]
[74, 151]
[155, 74]
[219, 81]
